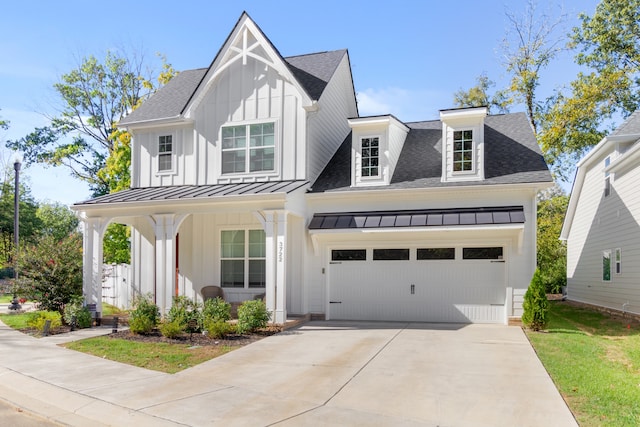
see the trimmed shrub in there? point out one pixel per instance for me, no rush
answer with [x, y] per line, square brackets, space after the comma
[144, 316]
[170, 329]
[536, 304]
[77, 309]
[252, 315]
[217, 328]
[184, 310]
[39, 318]
[216, 309]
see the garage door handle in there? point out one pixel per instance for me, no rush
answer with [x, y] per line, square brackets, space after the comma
[335, 302]
[499, 260]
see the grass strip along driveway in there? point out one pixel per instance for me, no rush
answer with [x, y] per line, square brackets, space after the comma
[594, 360]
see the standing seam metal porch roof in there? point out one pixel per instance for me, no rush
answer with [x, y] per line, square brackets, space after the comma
[191, 192]
[419, 218]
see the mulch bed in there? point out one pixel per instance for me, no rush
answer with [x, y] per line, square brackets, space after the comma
[197, 339]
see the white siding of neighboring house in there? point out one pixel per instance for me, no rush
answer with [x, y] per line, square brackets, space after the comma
[328, 126]
[520, 262]
[606, 223]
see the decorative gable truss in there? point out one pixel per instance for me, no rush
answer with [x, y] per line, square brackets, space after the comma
[463, 144]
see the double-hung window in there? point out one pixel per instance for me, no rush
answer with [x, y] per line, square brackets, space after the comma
[242, 258]
[370, 157]
[248, 148]
[606, 266]
[165, 153]
[463, 150]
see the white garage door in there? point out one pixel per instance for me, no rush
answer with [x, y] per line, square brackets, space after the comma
[418, 284]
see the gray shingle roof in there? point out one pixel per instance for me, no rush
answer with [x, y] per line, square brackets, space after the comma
[631, 126]
[512, 156]
[313, 71]
[169, 100]
[192, 192]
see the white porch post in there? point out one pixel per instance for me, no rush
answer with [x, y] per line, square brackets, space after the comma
[92, 260]
[165, 227]
[270, 271]
[275, 227]
[281, 260]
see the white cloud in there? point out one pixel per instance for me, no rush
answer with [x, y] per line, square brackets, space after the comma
[406, 105]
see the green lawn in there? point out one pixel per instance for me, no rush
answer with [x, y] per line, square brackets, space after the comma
[6, 298]
[15, 321]
[594, 360]
[164, 357]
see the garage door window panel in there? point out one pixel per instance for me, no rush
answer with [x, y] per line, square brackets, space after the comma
[492, 253]
[436, 253]
[391, 254]
[349, 255]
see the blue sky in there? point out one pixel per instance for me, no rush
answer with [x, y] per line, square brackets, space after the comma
[408, 57]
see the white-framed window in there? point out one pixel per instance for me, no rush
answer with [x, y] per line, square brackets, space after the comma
[606, 265]
[607, 178]
[248, 148]
[370, 157]
[242, 258]
[165, 153]
[463, 158]
[618, 261]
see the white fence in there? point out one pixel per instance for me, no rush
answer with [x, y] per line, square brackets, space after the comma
[116, 285]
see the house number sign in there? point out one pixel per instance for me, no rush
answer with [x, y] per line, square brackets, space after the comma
[280, 251]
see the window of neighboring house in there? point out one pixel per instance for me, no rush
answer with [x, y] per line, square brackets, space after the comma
[482, 253]
[390, 254]
[242, 258]
[349, 255]
[248, 148]
[370, 157]
[606, 266]
[436, 253]
[618, 261]
[165, 153]
[607, 178]
[463, 151]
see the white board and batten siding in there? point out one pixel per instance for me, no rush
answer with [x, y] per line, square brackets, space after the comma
[327, 126]
[606, 224]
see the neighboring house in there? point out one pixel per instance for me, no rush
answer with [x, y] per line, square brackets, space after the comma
[601, 225]
[257, 174]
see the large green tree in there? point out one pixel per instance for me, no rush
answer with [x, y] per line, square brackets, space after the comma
[552, 253]
[479, 96]
[56, 220]
[607, 45]
[93, 98]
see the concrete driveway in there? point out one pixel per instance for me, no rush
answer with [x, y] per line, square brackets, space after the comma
[323, 373]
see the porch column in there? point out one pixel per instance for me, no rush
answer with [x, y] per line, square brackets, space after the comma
[94, 229]
[275, 226]
[165, 227]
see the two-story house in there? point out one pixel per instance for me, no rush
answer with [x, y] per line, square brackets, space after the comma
[601, 225]
[257, 174]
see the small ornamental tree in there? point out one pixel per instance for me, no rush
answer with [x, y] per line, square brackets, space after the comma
[50, 271]
[536, 304]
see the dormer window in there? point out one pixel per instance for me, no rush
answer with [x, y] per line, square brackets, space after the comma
[463, 144]
[165, 153]
[248, 148]
[370, 157]
[463, 151]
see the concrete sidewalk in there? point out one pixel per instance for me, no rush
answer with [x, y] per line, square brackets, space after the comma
[322, 373]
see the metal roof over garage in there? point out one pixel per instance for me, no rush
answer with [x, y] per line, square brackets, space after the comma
[419, 218]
